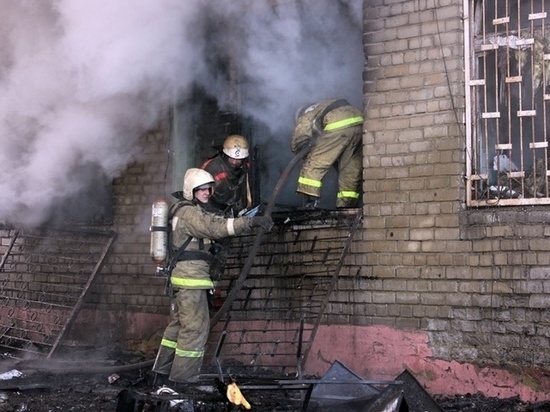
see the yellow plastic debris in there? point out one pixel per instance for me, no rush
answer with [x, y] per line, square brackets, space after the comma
[235, 396]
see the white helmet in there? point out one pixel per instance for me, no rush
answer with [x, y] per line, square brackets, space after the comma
[236, 146]
[193, 179]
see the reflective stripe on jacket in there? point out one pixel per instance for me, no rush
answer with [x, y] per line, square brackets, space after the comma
[194, 221]
[339, 118]
[352, 121]
[191, 283]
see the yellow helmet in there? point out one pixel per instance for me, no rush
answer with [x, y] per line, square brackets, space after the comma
[193, 179]
[236, 146]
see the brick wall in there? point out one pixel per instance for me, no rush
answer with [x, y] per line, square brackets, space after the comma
[453, 286]
[127, 301]
[477, 281]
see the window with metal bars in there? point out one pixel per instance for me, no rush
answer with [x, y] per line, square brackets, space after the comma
[508, 92]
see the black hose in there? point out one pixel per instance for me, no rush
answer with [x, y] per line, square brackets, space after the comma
[232, 295]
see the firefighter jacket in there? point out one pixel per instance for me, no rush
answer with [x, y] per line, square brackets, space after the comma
[316, 121]
[181, 350]
[232, 190]
[333, 128]
[192, 221]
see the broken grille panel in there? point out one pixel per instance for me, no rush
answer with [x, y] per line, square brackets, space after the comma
[272, 322]
[45, 275]
[508, 79]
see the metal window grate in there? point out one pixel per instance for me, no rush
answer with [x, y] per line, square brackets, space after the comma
[508, 92]
[45, 275]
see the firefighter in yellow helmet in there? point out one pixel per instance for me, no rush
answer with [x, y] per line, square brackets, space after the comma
[181, 351]
[333, 128]
[230, 168]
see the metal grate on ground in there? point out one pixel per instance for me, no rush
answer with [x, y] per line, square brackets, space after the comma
[45, 275]
[273, 320]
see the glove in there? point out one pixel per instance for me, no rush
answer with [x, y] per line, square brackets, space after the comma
[235, 396]
[264, 222]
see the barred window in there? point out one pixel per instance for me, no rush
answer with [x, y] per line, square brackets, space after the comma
[508, 98]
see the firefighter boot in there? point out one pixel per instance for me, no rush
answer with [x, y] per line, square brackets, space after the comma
[311, 203]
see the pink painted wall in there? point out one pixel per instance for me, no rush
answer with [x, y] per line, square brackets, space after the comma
[373, 352]
[379, 352]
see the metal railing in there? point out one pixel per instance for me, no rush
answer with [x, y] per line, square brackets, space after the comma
[45, 275]
[274, 319]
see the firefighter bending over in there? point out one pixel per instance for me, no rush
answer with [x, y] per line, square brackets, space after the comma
[181, 350]
[333, 129]
[230, 169]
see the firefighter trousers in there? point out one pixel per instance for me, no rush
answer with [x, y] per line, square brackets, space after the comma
[342, 148]
[181, 350]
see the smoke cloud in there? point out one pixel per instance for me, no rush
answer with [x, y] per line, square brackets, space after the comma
[80, 80]
[296, 53]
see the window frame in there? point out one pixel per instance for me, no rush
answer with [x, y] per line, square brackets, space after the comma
[479, 175]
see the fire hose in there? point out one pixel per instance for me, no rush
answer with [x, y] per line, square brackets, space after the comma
[232, 295]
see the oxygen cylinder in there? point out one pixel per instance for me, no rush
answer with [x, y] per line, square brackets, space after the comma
[159, 231]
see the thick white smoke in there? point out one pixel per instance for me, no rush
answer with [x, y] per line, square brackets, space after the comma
[295, 53]
[81, 79]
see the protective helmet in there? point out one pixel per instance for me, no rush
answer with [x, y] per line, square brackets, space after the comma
[236, 146]
[193, 179]
[303, 110]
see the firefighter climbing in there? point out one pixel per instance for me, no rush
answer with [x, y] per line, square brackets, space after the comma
[333, 128]
[181, 351]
